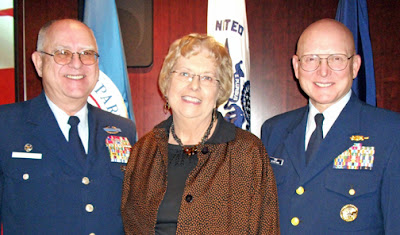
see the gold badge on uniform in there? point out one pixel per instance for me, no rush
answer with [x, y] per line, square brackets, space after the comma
[111, 129]
[349, 213]
[358, 138]
[28, 147]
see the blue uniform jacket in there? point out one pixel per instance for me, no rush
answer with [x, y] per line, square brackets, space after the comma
[312, 197]
[56, 194]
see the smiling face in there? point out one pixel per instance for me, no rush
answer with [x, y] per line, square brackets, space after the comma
[325, 86]
[192, 100]
[67, 85]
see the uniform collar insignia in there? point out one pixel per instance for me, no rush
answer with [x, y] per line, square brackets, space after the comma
[358, 138]
[28, 147]
[111, 129]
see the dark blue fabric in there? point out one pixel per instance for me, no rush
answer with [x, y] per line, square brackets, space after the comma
[75, 141]
[354, 14]
[326, 189]
[52, 197]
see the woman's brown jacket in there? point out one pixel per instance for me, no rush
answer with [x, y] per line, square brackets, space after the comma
[232, 189]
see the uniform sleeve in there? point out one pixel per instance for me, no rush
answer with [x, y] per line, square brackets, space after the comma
[130, 132]
[390, 191]
[267, 215]
[270, 137]
[1, 192]
[265, 132]
[134, 133]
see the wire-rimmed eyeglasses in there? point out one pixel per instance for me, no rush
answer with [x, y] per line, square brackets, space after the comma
[63, 57]
[205, 80]
[336, 62]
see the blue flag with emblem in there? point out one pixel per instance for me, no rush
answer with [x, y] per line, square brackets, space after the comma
[354, 14]
[112, 92]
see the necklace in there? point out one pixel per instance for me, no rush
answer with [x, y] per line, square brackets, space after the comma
[192, 150]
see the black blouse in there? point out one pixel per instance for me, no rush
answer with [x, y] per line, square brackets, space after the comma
[179, 167]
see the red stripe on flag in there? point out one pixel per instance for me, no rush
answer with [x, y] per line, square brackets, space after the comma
[7, 12]
[95, 101]
[7, 86]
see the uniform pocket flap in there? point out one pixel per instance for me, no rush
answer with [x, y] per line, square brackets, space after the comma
[28, 173]
[351, 184]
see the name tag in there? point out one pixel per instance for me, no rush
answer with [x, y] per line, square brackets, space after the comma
[26, 155]
[277, 161]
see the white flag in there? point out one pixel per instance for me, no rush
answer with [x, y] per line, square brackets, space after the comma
[112, 91]
[227, 22]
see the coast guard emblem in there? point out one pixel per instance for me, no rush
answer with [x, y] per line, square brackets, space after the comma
[349, 213]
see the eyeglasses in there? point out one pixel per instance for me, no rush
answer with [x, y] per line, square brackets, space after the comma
[205, 80]
[336, 62]
[63, 57]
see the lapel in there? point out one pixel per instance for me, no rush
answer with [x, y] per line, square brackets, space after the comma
[97, 138]
[294, 143]
[337, 140]
[45, 129]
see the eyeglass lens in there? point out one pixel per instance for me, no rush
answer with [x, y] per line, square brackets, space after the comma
[336, 62]
[63, 57]
[204, 79]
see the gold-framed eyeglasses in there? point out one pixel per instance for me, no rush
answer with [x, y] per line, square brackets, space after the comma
[336, 62]
[205, 80]
[63, 57]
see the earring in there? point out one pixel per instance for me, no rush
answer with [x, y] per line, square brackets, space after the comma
[166, 105]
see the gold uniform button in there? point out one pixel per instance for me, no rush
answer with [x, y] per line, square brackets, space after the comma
[295, 221]
[85, 180]
[300, 190]
[25, 176]
[89, 208]
[352, 192]
[92, 234]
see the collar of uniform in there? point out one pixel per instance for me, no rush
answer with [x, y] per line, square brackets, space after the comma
[330, 116]
[62, 120]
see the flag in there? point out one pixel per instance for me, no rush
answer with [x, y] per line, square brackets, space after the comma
[7, 58]
[227, 22]
[354, 14]
[7, 71]
[112, 91]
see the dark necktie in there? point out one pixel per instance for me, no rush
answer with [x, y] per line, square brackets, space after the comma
[316, 137]
[74, 140]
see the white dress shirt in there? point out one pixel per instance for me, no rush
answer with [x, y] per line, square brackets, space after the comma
[62, 120]
[330, 116]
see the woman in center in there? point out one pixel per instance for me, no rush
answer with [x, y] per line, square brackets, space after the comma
[196, 173]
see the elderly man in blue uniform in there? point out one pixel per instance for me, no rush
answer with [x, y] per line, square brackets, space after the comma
[336, 160]
[61, 159]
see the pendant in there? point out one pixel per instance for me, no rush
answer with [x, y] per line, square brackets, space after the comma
[190, 151]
